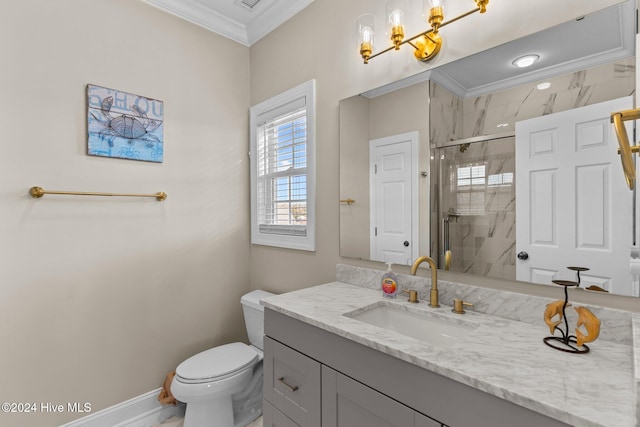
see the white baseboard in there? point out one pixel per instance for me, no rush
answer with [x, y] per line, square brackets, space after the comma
[142, 411]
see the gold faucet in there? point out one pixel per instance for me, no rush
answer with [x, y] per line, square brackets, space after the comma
[433, 296]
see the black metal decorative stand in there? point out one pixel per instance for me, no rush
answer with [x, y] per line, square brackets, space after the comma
[566, 343]
[578, 270]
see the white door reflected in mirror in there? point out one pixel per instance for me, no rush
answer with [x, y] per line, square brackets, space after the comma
[573, 208]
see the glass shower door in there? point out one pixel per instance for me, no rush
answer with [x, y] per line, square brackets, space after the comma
[477, 207]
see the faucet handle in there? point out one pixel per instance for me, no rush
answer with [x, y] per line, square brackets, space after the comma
[458, 306]
[413, 295]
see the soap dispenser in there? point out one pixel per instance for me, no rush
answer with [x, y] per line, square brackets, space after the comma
[389, 283]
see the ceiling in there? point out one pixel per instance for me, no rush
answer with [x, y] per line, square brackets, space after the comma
[245, 21]
[598, 38]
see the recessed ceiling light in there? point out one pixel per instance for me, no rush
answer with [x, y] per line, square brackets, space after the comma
[525, 61]
[543, 86]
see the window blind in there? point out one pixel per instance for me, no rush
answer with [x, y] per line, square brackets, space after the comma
[282, 174]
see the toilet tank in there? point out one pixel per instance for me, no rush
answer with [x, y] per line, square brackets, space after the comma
[254, 316]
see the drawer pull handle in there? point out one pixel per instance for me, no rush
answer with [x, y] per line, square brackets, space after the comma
[290, 387]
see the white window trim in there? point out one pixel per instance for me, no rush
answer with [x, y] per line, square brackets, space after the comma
[305, 92]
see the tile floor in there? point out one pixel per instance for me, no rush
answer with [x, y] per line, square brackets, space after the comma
[177, 422]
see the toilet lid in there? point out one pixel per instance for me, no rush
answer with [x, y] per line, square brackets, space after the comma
[218, 362]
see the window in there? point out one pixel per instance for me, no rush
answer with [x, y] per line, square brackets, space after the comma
[471, 181]
[283, 169]
[478, 192]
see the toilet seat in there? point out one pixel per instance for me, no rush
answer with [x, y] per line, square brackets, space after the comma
[217, 363]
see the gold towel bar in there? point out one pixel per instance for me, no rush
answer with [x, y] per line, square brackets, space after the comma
[625, 149]
[347, 201]
[38, 192]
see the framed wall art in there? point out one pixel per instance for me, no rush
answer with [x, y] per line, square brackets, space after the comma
[124, 125]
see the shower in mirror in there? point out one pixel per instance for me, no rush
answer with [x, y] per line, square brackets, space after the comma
[477, 206]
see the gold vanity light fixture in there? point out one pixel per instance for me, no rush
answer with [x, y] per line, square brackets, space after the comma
[427, 44]
[625, 150]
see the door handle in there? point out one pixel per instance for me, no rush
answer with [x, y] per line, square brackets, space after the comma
[523, 255]
[406, 243]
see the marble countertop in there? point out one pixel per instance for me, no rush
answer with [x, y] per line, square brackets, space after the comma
[503, 357]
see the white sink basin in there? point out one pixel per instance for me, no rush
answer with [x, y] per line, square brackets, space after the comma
[431, 328]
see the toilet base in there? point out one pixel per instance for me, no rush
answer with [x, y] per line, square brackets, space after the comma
[218, 413]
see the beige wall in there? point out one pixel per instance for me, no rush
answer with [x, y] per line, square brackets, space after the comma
[100, 298]
[320, 43]
[354, 176]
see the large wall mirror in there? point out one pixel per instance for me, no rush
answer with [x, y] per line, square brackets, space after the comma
[496, 170]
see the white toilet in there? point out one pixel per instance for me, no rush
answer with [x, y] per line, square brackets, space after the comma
[222, 387]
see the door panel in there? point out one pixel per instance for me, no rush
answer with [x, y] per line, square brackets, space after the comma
[393, 178]
[543, 208]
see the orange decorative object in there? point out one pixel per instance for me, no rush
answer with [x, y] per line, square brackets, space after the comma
[165, 397]
[590, 322]
[553, 309]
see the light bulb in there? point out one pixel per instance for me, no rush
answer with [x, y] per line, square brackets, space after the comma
[365, 28]
[367, 34]
[395, 17]
[365, 31]
[395, 11]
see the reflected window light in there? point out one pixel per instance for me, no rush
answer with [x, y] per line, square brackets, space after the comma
[501, 179]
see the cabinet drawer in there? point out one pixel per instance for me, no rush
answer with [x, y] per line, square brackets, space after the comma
[292, 383]
[271, 417]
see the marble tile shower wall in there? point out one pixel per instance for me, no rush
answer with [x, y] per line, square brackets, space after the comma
[482, 115]
[463, 118]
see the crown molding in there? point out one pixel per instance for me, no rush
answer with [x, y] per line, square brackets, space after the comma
[205, 17]
[399, 84]
[247, 34]
[273, 17]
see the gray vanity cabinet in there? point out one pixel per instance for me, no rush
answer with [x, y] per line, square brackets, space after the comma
[347, 403]
[314, 378]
